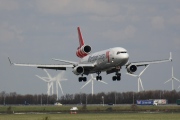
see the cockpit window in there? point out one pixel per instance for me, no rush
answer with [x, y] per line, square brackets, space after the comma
[121, 52]
[118, 52]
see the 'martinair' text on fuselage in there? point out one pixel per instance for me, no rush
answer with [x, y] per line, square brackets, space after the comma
[96, 57]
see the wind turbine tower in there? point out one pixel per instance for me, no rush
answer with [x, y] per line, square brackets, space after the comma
[92, 82]
[172, 79]
[139, 78]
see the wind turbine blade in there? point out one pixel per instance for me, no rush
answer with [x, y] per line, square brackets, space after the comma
[41, 78]
[132, 75]
[103, 82]
[143, 70]
[62, 73]
[86, 84]
[60, 87]
[141, 84]
[59, 75]
[167, 81]
[176, 79]
[47, 73]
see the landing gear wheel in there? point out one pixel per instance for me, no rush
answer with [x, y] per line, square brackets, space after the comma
[98, 77]
[114, 78]
[118, 77]
[82, 79]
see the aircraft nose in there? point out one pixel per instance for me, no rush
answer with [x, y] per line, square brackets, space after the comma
[125, 57]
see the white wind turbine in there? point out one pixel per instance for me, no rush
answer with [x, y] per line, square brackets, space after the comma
[50, 81]
[59, 78]
[92, 81]
[139, 79]
[171, 79]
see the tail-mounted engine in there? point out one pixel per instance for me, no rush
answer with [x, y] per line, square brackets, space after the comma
[131, 68]
[78, 70]
[83, 51]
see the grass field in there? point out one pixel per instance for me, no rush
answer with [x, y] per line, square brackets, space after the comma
[124, 112]
[108, 116]
[4, 109]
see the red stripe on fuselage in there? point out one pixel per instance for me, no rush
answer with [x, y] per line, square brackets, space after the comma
[107, 55]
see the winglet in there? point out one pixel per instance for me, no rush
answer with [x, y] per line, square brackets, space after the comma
[170, 58]
[10, 61]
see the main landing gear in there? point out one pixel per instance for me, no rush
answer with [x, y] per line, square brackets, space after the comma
[84, 79]
[117, 77]
[98, 77]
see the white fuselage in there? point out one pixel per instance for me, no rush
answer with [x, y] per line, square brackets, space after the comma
[107, 59]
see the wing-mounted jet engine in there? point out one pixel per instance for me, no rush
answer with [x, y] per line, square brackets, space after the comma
[131, 68]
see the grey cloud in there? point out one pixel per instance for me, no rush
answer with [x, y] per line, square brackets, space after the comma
[123, 34]
[158, 22]
[9, 5]
[10, 32]
[64, 7]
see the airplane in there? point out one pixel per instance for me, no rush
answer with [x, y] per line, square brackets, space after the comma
[110, 61]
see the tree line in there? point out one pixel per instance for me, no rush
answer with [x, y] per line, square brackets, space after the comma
[83, 98]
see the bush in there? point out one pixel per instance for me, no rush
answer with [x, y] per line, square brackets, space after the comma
[9, 110]
[134, 107]
[109, 109]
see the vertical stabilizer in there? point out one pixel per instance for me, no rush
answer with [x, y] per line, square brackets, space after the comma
[83, 50]
[81, 41]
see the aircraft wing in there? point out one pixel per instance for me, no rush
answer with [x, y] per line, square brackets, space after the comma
[44, 66]
[52, 66]
[150, 62]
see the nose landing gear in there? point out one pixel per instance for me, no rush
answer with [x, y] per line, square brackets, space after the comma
[84, 79]
[98, 77]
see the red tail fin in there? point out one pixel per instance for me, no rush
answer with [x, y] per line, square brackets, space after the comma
[83, 50]
[81, 41]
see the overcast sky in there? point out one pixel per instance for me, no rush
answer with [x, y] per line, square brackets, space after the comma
[34, 31]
